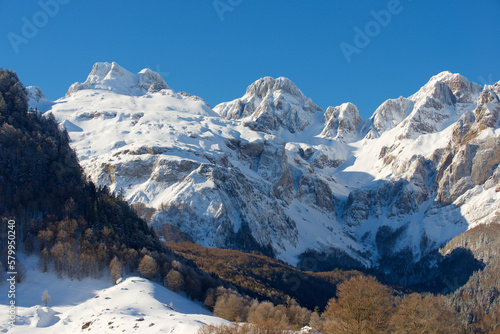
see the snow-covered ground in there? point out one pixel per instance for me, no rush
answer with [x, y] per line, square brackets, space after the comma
[135, 305]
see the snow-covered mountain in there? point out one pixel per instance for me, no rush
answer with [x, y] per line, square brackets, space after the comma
[272, 104]
[342, 123]
[113, 77]
[37, 99]
[431, 109]
[273, 171]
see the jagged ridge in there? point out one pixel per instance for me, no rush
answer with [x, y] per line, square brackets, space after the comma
[277, 173]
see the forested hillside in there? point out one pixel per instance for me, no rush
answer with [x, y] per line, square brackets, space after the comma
[57, 211]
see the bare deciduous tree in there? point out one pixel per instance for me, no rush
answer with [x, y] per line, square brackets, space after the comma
[174, 280]
[46, 297]
[115, 269]
[363, 306]
[429, 314]
[148, 268]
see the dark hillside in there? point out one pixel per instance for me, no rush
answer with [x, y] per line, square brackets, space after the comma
[56, 210]
[263, 277]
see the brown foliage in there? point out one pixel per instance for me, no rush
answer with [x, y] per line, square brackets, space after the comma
[417, 314]
[264, 315]
[115, 269]
[148, 268]
[174, 280]
[230, 305]
[363, 306]
[263, 277]
[240, 329]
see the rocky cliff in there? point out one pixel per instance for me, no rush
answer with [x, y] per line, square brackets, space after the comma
[271, 171]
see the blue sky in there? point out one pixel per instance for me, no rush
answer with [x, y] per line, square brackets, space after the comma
[215, 49]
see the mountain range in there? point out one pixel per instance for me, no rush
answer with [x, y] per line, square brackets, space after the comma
[275, 173]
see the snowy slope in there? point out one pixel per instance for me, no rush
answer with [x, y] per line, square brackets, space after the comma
[406, 167]
[210, 176]
[135, 305]
[272, 171]
[37, 99]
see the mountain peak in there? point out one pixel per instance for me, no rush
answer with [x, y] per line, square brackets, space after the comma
[442, 76]
[105, 71]
[449, 88]
[342, 122]
[267, 85]
[37, 100]
[440, 101]
[113, 77]
[272, 104]
[35, 94]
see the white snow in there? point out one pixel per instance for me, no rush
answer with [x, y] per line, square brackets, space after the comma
[136, 123]
[135, 305]
[37, 99]
[113, 77]
[320, 231]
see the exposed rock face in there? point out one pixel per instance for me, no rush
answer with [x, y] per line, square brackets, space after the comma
[273, 104]
[234, 202]
[342, 123]
[488, 110]
[277, 174]
[389, 200]
[387, 116]
[436, 104]
[472, 157]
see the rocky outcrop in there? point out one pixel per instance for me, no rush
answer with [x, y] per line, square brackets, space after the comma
[388, 200]
[387, 116]
[471, 158]
[436, 105]
[272, 105]
[341, 123]
[216, 214]
[113, 77]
